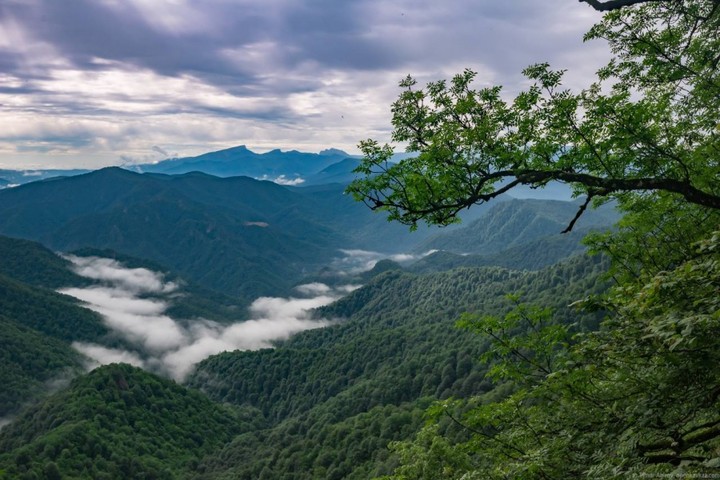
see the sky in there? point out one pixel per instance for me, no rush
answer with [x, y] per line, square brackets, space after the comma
[92, 83]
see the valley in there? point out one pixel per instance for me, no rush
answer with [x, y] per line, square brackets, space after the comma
[487, 249]
[312, 331]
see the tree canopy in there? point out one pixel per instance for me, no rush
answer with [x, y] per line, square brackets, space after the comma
[639, 396]
[650, 122]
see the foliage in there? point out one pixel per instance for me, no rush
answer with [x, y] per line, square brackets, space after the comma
[116, 422]
[637, 398]
[31, 263]
[46, 311]
[31, 362]
[322, 444]
[655, 233]
[335, 397]
[649, 123]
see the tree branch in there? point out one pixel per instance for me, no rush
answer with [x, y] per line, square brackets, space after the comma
[580, 211]
[613, 4]
[596, 186]
[609, 185]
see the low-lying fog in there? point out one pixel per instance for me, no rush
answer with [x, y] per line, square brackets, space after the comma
[133, 302]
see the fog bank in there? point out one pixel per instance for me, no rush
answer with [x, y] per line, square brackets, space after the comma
[133, 302]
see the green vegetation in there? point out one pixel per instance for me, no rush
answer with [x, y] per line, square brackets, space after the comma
[639, 396]
[514, 224]
[31, 263]
[190, 301]
[38, 324]
[648, 124]
[335, 397]
[31, 363]
[116, 422]
[553, 372]
[55, 315]
[238, 236]
[533, 255]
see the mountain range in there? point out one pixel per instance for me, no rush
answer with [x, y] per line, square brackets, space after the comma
[239, 236]
[200, 258]
[284, 167]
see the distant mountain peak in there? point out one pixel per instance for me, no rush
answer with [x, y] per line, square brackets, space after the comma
[334, 152]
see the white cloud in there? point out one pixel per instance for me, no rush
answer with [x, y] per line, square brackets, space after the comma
[357, 261]
[100, 355]
[135, 280]
[284, 180]
[133, 302]
[315, 288]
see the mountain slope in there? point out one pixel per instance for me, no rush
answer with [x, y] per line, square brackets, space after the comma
[32, 263]
[46, 311]
[533, 255]
[116, 422]
[515, 223]
[235, 235]
[31, 363]
[39, 325]
[340, 172]
[396, 348]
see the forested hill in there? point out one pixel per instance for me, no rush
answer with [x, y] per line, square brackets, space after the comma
[36, 328]
[515, 223]
[36, 265]
[336, 396]
[39, 325]
[323, 404]
[238, 236]
[116, 422]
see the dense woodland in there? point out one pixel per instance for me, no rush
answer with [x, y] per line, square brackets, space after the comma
[325, 403]
[535, 357]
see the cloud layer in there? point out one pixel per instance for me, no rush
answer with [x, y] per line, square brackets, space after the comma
[133, 304]
[98, 82]
[356, 261]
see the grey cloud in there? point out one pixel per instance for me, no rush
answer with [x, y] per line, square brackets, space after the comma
[360, 34]
[281, 71]
[160, 150]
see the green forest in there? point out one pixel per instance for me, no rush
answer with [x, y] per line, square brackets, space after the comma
[639, 395]
[522, 354]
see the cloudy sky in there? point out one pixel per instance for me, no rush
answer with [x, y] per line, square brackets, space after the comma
[89, 83]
